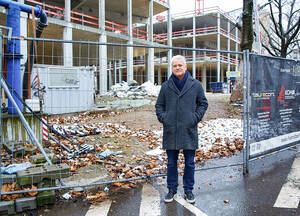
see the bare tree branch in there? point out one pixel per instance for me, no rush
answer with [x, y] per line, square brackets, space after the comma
[282, 36]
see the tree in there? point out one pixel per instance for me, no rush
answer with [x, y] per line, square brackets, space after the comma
[247, 27]
[282, 30]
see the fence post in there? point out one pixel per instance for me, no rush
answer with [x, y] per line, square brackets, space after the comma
[248, 110]
[1, 37]
[245, 112]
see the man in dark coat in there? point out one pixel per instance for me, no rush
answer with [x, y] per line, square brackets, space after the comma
[180, 106]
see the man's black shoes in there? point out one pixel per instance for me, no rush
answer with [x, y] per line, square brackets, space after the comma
[170, 196]
[189, 197]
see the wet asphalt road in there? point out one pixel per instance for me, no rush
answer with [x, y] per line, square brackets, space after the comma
[244, 195]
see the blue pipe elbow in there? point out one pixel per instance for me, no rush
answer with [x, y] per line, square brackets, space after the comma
[40, 14]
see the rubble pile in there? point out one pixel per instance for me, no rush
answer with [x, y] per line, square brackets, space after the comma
[107, 144]
[133, 90]
[217, 138]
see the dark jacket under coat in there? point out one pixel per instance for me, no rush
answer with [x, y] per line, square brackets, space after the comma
[180, 112]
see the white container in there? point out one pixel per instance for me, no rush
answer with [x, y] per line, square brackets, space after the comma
[34, 104]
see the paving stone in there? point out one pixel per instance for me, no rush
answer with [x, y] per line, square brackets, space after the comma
[30, 150]
[14, 148]
[46, 183]
[7, 208]
[37, 174]
[25, 203]
[30, 176]
[45, 198]
[57, 171]
[38, 159]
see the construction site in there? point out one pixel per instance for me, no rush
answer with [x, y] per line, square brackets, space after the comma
[99, 64]
[79, 83]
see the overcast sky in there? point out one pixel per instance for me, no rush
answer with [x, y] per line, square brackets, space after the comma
[189, 5]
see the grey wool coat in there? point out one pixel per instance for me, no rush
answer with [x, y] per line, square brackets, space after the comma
[180, 112]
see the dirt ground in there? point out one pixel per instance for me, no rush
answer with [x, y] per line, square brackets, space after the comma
[134, 149]
[145, 118]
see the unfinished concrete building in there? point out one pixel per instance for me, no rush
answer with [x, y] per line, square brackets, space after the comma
[116, 21]
[211, 28]
[110, 21]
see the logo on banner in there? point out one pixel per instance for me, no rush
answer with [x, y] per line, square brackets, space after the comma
[263, 95]
[263, 100]
[286, 94]
[285, 70]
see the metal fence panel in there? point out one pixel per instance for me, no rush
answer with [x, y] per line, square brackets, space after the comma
[275, 104]
[71, 89]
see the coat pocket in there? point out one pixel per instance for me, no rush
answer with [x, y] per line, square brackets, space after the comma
[190, 134]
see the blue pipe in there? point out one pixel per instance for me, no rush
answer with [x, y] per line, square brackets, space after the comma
[13, 54]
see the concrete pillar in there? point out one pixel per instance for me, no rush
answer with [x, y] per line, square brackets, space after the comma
[194, 45]
[129, 49]
[120, 70]
[110, 74]
[159, 75]
[169, 40]
[102, 49]
[222, 73]
[68, 47]
[23, 32]
[115, 72]
[203, 77]
[228, 45]
[218, 48]
[236, 49]
[150, 59]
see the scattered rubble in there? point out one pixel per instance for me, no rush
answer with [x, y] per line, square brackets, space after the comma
[14, 168]
[133, 90]
[122, 151]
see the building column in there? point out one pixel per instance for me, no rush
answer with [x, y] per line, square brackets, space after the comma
[203, 77]
[236, 49]
[110, 74]
[150, 59]
[194, 45]
[228, 46]
[68, 47]
[222, 73]
[120, 70]
[115, 72]
[102, 49]
[169, 40]
[159, 75]
[218, 48]
[129, 49]
[23, 32]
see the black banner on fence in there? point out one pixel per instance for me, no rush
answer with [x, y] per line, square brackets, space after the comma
[275, 104]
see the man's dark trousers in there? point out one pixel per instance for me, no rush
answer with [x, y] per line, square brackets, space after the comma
[189, 170]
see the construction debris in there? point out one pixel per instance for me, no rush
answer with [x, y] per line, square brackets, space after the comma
[14, 168]
[133, 90]
[108, 153]
[84, 140]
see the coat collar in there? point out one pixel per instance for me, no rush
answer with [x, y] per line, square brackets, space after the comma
[188, 84]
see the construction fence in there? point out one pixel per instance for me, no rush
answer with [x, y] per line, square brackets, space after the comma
[56, 132]
[272, 101]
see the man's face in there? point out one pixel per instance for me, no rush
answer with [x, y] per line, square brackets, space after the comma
[178, 68]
